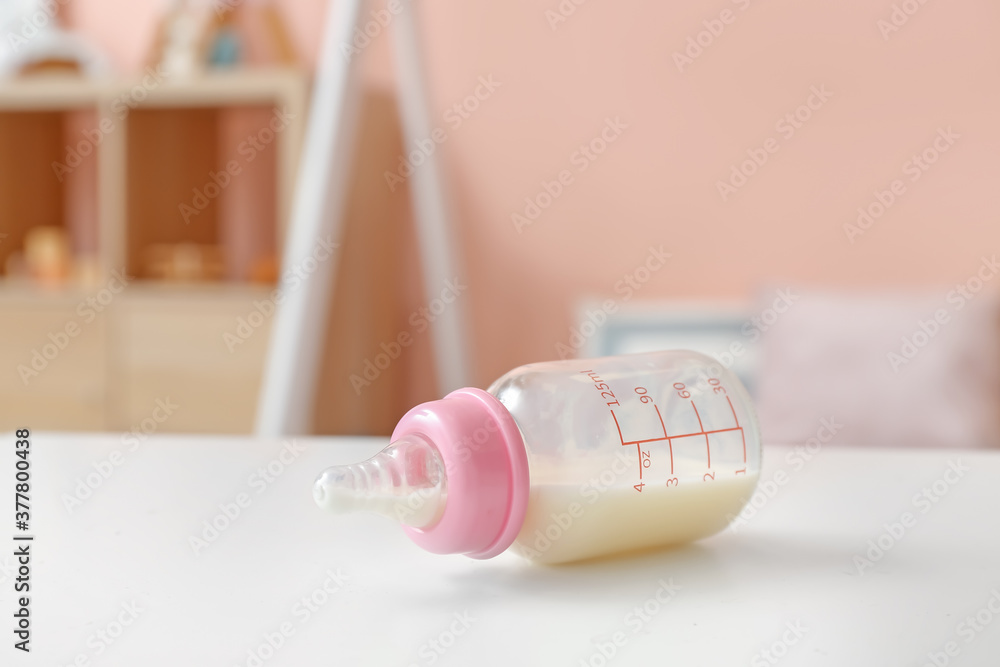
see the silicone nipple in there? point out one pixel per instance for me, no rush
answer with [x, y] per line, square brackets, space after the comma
[406, 481]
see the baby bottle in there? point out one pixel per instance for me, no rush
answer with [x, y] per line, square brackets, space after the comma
[566, 460]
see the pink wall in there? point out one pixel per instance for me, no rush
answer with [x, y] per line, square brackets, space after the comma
[656, 184]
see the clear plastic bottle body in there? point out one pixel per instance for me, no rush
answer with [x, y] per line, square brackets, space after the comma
[630, 452]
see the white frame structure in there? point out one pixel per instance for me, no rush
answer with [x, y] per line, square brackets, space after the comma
[291, 370]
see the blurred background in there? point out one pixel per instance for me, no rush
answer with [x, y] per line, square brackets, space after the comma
[806, 191]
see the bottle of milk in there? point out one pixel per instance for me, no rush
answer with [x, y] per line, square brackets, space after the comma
[566, 460]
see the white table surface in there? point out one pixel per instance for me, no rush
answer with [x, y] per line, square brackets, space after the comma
[793, 563]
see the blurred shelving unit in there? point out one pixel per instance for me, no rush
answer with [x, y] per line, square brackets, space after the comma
[115, 163]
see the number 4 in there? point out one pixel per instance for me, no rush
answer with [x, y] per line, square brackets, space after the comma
[638, 487]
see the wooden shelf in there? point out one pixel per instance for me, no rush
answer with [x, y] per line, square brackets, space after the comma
[55, 92]
[155, 339]
[116, 104]
[151, 341]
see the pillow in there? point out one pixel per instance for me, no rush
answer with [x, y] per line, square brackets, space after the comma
[888, 370]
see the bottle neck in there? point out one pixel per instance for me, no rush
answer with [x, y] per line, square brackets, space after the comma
[485, 468]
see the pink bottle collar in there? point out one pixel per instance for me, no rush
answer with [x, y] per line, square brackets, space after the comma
[487, 473]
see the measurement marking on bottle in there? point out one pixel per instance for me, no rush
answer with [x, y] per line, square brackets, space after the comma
[675, 437]
[644, 456]
[670, 443]
[742, 432]
[670, 438]
[618, 426]
[708, 446]
[644, 460]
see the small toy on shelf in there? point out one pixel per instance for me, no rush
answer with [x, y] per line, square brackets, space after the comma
[47, 255]
[39, 43]
[180, 39]
[220, 33]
